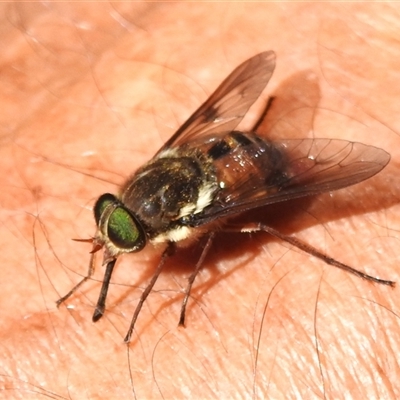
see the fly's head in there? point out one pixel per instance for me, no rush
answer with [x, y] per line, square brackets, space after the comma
[118, 229]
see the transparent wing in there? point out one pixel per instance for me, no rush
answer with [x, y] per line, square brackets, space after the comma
[226, 107]
[307, 167]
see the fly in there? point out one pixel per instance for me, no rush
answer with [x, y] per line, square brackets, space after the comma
[208, 173]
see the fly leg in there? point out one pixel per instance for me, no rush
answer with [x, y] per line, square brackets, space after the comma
[101, 302]
[192, 277]
[79, 284]
[314, 252]
[167, 253]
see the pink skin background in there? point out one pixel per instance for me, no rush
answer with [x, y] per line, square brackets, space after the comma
[89, 92]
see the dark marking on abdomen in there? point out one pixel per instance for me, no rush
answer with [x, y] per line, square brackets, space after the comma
[219, 149]
[231, 141]
[240, 138]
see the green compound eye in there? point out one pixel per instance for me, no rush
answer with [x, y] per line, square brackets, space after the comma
[120, 226]
[124, 231]
[101, 204]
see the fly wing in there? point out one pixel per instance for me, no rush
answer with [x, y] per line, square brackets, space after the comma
[227, 106]
[308, 167]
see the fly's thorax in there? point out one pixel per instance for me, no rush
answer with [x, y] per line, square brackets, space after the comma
[166, 191]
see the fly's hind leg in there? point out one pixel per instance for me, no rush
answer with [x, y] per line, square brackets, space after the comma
[258, 227]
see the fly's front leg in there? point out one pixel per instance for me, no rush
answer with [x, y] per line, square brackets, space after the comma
[76, 287]
[101, 302]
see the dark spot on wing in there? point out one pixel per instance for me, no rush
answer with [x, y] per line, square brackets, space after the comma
[210, 114]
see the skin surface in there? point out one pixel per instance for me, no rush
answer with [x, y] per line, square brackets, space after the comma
[90, 92]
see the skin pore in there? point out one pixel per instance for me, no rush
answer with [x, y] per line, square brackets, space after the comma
[90, 92]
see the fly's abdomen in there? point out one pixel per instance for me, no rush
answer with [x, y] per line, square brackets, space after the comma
[240, 158]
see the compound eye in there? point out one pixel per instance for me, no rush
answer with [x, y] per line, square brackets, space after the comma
[124, 231]
[101, 204]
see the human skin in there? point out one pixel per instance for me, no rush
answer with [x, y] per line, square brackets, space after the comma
[90, 92]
